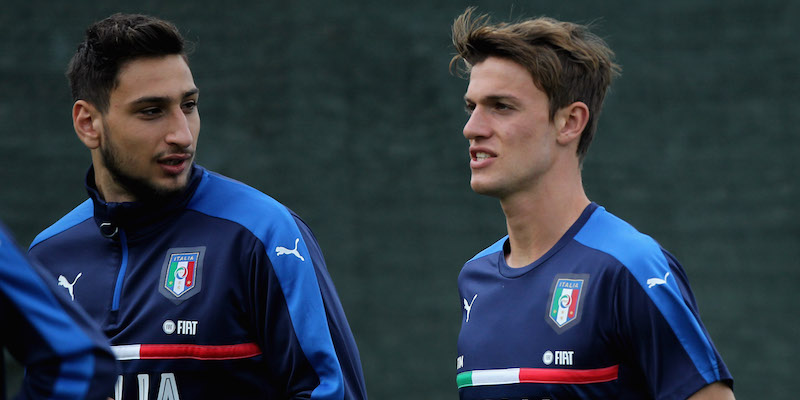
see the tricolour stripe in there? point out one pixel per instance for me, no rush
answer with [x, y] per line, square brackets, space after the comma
[509, 376]
[126, 352]
[495, 376]
[180, 351]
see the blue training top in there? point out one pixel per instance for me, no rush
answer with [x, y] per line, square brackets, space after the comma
[64, 354]
[221, 292]
[606, 313]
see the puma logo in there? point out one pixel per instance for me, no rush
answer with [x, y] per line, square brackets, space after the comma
[656, 281]
[281, 251]
[62, 281]
[468, 306]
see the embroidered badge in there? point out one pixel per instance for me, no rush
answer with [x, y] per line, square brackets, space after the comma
[565, 300]
[182, 272]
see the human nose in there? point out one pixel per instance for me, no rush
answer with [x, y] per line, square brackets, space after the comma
[180, 130]
[477, 125]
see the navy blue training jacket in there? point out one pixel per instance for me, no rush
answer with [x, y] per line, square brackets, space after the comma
[65, 355]
[221, 292]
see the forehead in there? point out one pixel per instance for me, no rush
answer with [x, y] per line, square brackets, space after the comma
[500, 77]
[163, 76]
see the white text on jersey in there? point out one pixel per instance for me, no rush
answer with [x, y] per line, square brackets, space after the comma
[560, 357]
[167, 388]
[182, 328]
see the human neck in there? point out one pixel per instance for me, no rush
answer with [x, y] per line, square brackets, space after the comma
[110, 191]
[538, 218]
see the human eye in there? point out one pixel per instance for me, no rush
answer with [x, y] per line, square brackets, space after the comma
[150, 112]
[189, 105]
[469, 108]
[501, 106]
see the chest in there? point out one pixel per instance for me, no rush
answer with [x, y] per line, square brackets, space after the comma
[547, 332]
[553, 320]
[162, 289]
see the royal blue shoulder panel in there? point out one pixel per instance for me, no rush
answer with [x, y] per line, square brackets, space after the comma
[222, 197]
[497, 246]
[79, 214]
[645, 259]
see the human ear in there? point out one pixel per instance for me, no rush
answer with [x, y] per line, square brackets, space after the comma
[87, 123]
[571, 120]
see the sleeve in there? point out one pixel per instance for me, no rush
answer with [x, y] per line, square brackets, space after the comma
[343, 341]
[301, 323]
[661, 330]
[65, 355]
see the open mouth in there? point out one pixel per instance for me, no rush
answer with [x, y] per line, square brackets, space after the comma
[172, 162]
[480, 156]
[175, 159]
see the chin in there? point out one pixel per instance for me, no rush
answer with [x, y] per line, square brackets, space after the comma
[157, 191]
[483, 188]
[497, 188]
[174, 186]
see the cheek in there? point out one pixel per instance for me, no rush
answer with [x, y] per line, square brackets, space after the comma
[194, 126]
[534, 132]
[521, 135]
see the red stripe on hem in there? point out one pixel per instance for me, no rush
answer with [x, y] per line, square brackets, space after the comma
[568, 376]
[198, 352]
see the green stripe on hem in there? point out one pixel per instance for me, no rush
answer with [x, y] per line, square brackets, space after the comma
[464, 379]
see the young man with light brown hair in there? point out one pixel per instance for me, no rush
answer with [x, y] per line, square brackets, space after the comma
[573, 302]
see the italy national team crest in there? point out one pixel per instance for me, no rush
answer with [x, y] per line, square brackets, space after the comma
[182, 272]
[564, 308]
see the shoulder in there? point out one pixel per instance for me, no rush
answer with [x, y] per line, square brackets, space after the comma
[216, 190]
[609, 234]
[494, 248]
[225, 198]
[79, 214]
[271, 223]
[484, 265]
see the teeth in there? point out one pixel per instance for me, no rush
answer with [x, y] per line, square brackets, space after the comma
[481, 156]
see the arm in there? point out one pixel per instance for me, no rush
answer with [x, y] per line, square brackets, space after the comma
[343, 340]
[714, 391]
[308, 348]
[300, 314]
[64, 354]
[661, 323]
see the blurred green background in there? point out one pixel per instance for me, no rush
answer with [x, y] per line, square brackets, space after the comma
[345, 111]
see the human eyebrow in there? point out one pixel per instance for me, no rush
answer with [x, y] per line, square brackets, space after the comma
[150, 100]
[500, 99]
[162, 99]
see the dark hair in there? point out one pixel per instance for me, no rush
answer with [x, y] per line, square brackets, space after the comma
[112, 42]
[567, 61]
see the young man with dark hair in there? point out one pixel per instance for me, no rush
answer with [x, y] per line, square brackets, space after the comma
[573, 302]
[206, 287]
